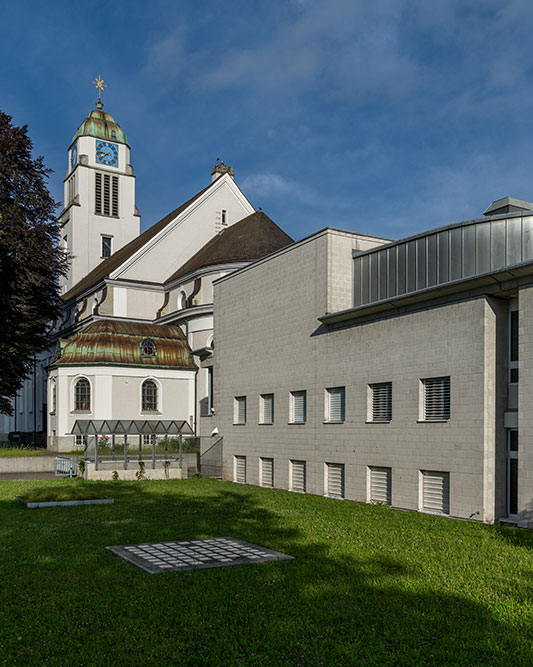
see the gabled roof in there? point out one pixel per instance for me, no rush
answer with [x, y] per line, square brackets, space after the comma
[251, 238]
[118, 258]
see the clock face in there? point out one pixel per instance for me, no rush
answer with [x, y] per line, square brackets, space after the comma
[107, 153]
[73, 156]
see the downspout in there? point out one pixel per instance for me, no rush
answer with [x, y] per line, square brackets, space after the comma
[165, 304]
[34, 399]
[195, 290]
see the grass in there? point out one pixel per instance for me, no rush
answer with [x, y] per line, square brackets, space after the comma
[369, 585]
[22, 450]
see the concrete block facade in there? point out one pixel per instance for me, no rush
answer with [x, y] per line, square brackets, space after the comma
[269, 340]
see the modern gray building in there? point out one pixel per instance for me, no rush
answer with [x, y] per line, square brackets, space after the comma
[393, 372]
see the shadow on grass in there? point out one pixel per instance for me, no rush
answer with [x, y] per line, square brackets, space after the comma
[336, 604]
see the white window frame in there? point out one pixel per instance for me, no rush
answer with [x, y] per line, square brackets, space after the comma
[424, 384]
[329, 393]
[264, 400]
[73, 395]
[235, 458]
[102, 237]
[421, 504]
[239, 420]
[327, 466]
[373, 396]
[293, 396]
[376, 469]
[159, 408]
[263, 462]
[292, 463]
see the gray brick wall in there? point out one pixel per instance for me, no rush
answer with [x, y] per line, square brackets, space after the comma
[268, 340]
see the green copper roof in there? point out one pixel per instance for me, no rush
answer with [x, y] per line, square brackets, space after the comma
[118, 343]
[101, 125]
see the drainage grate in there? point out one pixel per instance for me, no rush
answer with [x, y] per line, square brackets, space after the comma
[195, 554]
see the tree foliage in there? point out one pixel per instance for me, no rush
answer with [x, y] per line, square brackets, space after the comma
[30, 259]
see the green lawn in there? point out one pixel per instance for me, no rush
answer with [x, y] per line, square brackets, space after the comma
[369, 585]
[23, 450]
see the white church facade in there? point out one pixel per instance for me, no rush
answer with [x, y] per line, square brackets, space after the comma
[345, 365]
[137, 307]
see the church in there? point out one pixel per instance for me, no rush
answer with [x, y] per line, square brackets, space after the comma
[346, 365]
[137, 315]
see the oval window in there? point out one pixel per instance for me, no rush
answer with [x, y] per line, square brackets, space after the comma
[148, 348]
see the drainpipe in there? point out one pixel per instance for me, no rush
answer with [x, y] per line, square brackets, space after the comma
[34, 399]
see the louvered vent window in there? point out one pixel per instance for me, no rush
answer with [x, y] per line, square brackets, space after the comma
[106, 194]
[71, 187]
[266, 408]
[380, 485]
[335, 479]
[240, 469]
[436, 399]
[298, 476]
[335, 404]
[239, 416]
[267, 472]
[436, 492]
[381, 402]
[298, 407]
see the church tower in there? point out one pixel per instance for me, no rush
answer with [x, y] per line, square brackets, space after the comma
[99, 216]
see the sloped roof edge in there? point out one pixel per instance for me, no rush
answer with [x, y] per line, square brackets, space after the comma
[251, 238]
[118, 258]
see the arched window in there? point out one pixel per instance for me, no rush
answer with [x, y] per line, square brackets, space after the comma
[82, 395]
[149, 396]
[148, 348]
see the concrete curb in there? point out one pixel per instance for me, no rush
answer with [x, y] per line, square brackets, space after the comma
[67, 503]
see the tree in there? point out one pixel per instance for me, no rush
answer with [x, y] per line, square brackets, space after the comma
[31, 261]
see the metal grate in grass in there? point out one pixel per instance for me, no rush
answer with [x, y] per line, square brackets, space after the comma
[195, 554]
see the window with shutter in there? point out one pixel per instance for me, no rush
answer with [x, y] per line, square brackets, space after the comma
[381, 402]
[335, 479]
[266, 408]
[335, 404]
[239, 410]
[240, 469]
[436, 492]
[106, 194]
[436, 399]
[267, 472]
[298, 407]
[380, 485]
[106, 197]
[98, 194]
[114, 196]
[297, 476]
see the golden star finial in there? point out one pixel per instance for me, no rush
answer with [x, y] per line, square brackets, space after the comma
[99, 85]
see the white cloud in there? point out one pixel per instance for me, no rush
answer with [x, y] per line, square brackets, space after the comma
[165, 56]
[267, 185]
[348, 47]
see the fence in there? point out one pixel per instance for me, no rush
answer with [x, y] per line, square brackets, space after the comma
[211, 457]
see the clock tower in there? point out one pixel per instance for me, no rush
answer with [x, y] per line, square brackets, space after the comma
[99, 216]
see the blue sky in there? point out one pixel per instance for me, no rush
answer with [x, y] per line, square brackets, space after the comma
[385, 117]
